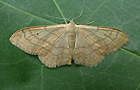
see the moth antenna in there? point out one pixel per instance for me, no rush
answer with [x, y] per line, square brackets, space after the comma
[79, 15]
[57, 17]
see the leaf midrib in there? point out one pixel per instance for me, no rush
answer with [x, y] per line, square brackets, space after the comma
[126, 51]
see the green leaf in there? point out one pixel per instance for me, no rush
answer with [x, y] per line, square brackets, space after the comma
[118, 71]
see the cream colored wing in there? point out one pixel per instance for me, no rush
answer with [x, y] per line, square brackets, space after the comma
[92, 43]
[48, 42]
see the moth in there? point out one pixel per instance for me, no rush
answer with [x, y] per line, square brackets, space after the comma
[58, 45]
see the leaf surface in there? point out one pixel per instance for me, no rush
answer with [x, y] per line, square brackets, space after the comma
[118, 71]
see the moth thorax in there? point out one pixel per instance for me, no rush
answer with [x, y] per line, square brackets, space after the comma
[71, 35]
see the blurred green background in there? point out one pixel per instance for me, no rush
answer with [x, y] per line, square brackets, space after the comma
[118, 71]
